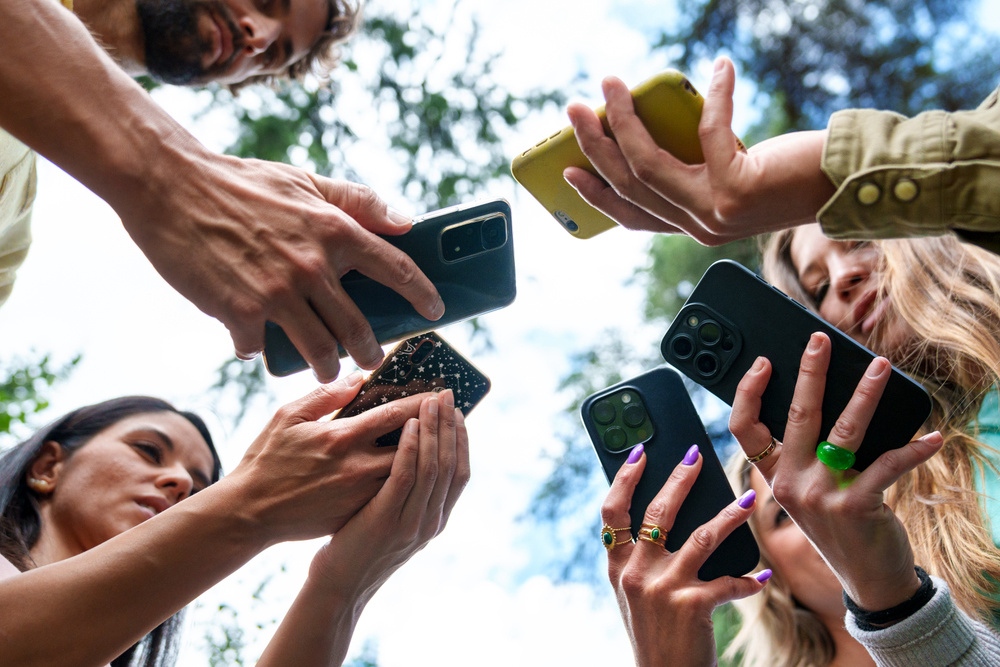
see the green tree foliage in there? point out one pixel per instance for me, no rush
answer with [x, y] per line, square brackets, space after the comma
[24, 388]
[816, 56]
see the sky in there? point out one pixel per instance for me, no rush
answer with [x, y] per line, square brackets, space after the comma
[476, 594]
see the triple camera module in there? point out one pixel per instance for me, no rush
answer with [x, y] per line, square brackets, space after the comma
[473, 237]
[701, 341]
[622, 420]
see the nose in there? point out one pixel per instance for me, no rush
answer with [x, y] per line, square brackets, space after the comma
[259, 32]
[176, 483]
[846, 276]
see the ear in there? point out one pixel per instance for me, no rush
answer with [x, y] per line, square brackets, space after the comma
[43, 474]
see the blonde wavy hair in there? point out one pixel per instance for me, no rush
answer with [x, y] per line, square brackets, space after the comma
[948, 292]
[775, 629]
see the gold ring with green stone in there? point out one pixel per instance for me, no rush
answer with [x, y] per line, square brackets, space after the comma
[654, 534]
[609, 536]
[834, 456]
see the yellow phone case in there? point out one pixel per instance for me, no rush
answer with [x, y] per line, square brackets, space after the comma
[669, 107]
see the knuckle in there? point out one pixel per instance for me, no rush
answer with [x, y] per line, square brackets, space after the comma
[797, 414]
[633, 581]
[645, 169]
[404, 270]
[655, 512]
[846, 430]
[353, 333]
[703, 538]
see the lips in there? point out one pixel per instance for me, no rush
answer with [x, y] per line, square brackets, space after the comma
[220, 42]
[868, 311]
[152, 505]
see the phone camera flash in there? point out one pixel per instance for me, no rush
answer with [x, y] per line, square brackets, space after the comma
[626, 398]
[693, 321]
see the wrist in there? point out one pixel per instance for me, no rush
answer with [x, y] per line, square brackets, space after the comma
[868, 618]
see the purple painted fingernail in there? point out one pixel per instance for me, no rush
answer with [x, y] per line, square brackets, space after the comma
[763, 575]
[635, 454]
[691, 456]
[746, 500]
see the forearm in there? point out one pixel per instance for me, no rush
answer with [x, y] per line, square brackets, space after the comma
[61, 94]
[109, 597]
[317, 629]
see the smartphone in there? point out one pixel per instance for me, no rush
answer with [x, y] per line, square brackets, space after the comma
[419, 364]
[733, 316]
[467, 251]
[669, 107]
[654, 409]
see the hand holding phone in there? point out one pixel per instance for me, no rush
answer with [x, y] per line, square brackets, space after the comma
[467, 251]
[417, 365]
[654, 409]
[733, 316]
[670, 109]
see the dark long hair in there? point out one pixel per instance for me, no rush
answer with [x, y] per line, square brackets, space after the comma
[20, 521]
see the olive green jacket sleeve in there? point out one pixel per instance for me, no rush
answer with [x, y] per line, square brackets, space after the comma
[920, 176]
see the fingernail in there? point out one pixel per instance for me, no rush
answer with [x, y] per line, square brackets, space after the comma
[758, 365]
[397, 218]
[763, 575]
[877, 368]
[635, 454]
[746, 500]
[449, 398]
[413, 426]
[437, 310]
[814, 342]
[691, 456]
[433, 407]
[934, 438]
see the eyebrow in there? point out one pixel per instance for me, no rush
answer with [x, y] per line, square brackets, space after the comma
[194, 472]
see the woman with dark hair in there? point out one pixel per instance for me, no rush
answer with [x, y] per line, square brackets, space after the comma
[94, 538]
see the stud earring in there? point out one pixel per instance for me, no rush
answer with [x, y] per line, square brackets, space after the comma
[39, 485]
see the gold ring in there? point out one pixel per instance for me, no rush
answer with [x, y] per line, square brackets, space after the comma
[654, 534]
[609, 537]
[764, 454]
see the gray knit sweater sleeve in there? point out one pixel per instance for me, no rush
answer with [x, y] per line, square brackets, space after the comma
[938, 634]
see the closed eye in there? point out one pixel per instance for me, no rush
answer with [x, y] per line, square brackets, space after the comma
[151, 451]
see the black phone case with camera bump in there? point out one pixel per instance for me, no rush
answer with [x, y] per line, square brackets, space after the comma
[419, 364]
[746, 318]
[667, 425]
[467, 251]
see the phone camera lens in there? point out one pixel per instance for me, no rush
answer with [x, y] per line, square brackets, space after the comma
[682, 346]
[424, 350]
[615, 438]
[709, 332]
[494, 233]
[707, 364]
[603, 411]
[633, 415]
[461, 241]
[728, 343]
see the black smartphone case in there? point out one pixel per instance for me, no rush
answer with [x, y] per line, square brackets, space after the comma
[417, 365]
[759, 320]
[675, 427]
[469, 286]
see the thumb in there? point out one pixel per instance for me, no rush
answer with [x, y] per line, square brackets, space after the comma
[715, 129]
[364, 205]
[327, 398]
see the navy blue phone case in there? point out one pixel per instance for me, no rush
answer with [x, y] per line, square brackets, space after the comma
[755, 319]
[672, 426]
[467, 251]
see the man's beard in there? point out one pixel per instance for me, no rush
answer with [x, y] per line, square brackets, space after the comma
[174, 46]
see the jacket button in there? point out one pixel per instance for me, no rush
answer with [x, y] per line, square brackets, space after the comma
[868, 194]
[905, 190]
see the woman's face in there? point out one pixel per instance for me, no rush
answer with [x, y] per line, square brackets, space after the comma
[127, 473]
[842, 279]
[793, 556]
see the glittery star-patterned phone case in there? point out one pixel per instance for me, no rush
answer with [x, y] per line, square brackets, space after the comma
[417, 365]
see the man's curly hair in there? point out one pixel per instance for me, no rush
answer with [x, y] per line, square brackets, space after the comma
[344, 20]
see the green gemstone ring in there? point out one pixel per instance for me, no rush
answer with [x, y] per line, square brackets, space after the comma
[609, 537]
[654, 534]
[834, 456]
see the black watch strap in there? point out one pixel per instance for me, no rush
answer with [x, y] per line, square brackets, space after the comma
[876, 620]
